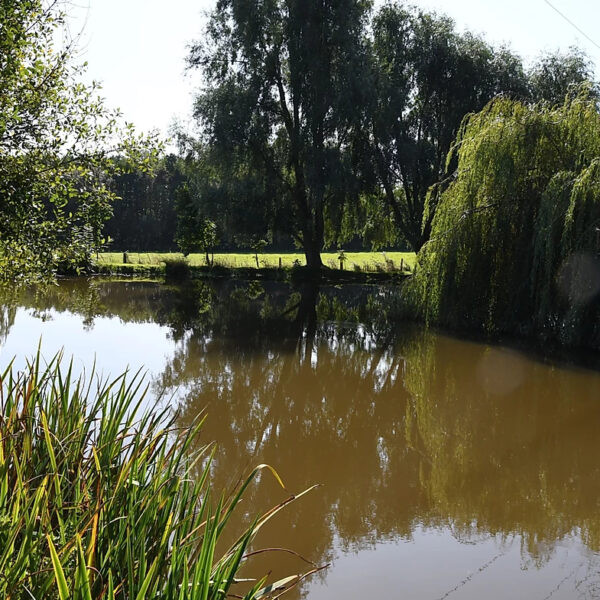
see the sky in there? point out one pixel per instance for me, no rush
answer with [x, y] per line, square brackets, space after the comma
[136, 48]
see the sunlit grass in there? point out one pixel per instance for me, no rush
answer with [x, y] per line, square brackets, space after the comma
[100, 502]
[363, 261]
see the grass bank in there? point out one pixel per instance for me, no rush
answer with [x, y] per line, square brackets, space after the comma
[153, 263]
[98, 501]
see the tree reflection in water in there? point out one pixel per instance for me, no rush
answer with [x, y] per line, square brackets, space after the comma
[403, 427]
[406, 429]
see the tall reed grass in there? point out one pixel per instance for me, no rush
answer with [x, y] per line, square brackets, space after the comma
[99, 501]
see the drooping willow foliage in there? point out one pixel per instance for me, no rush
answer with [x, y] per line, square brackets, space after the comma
[515, 240]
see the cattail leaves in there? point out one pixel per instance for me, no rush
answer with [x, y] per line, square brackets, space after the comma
[61, 580]
[98, 501]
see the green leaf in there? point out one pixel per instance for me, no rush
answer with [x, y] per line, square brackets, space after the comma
[59, 574]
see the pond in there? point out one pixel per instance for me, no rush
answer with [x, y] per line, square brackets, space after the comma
[448, 468]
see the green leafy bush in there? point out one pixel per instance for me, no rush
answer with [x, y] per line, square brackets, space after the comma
[177, 269]
[59, 147]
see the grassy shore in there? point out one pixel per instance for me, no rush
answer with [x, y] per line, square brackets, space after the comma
[355, 261]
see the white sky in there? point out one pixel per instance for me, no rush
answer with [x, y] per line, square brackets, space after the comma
[136, 48]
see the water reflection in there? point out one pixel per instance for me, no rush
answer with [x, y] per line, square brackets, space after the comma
[520, 462]
[104, 325]
[449, 468]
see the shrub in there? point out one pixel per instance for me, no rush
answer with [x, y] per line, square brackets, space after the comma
[177, 269]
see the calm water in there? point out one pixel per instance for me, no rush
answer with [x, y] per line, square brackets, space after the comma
[449, 469]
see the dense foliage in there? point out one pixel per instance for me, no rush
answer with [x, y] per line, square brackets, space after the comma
[556, 75]
[515, 239]
[144, 213]
[329, 123]
[230, 201]
[426, 78]
[56, 139]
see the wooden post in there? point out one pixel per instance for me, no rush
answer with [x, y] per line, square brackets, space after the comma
[280, 262]
[401, 264]
[341, 264]
[124, 258]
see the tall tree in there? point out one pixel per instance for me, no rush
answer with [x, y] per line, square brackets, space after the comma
[56, 141]
[427, 77]
[556, 75]
[283, 82]
[515, 245]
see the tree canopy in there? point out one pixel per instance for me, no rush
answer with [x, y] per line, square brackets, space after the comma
[56, 142]
[427, 77]
[555, 75]
[328, 121]
[283, 84]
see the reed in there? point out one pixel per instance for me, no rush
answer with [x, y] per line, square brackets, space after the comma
[99, 500]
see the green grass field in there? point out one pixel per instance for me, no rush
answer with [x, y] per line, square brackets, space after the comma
[355, 261]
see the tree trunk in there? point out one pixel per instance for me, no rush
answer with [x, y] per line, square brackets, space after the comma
[410, 229]
[407, 227]
[313, 259]
[311, 222]
[313, 244]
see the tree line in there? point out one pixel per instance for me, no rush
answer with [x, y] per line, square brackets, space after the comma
[320, 124]
[324, 123]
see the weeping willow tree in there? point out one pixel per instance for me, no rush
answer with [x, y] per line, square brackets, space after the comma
[515, 238]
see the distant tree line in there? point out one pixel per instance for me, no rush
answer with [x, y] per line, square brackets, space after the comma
[325, 124]
[143, 215]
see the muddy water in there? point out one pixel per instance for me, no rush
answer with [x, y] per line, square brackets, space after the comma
[448, 469]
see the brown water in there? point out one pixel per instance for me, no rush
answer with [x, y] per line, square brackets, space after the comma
[449, 469]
